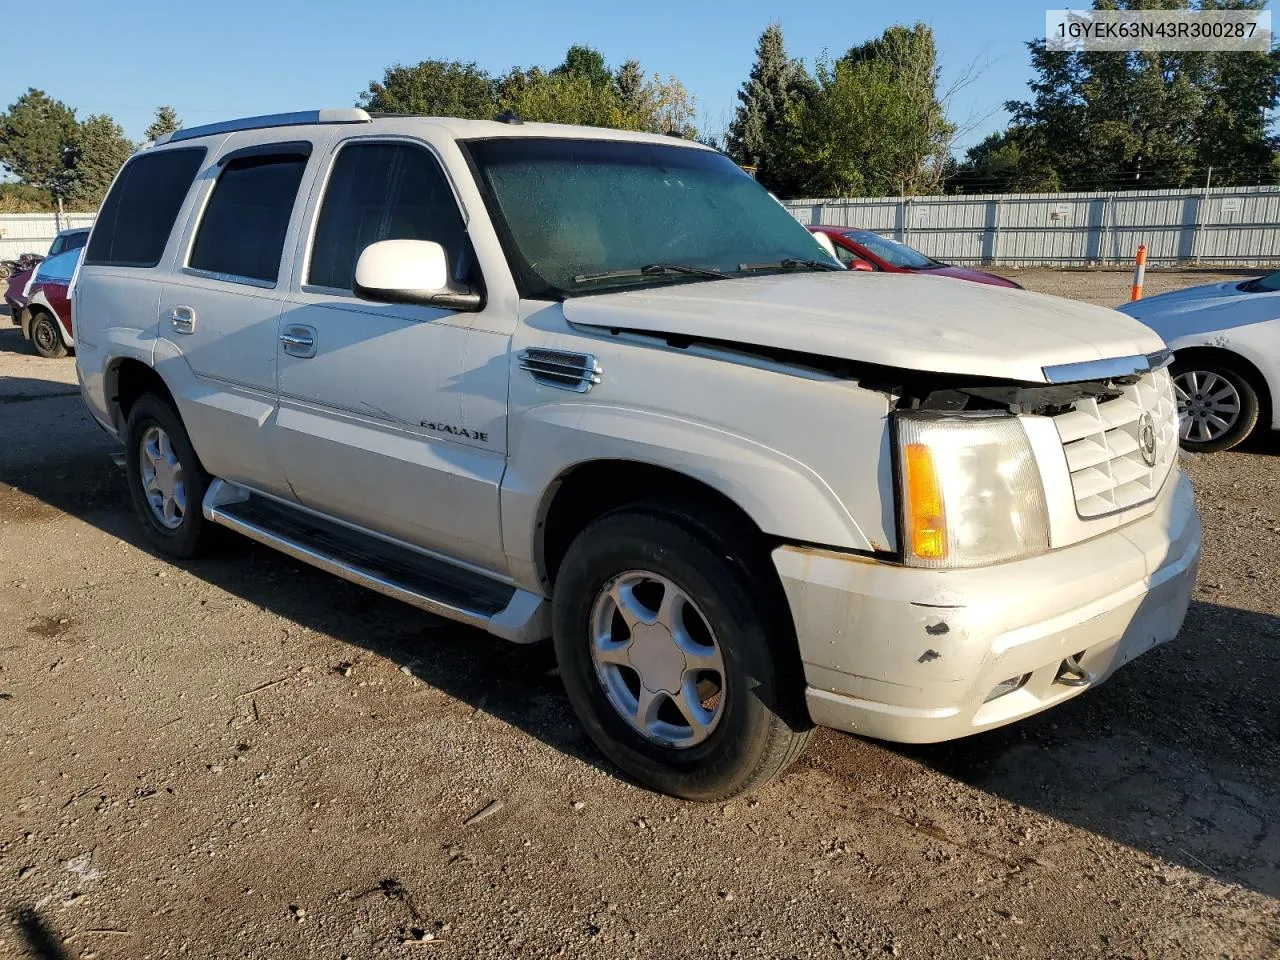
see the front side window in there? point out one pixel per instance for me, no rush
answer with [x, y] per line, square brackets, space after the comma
[382, 191]
[245, 221]
[891, 251]
[138, 213]
[569, 210]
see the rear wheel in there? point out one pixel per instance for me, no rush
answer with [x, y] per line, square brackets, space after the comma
[166, 481]
[1218, 404]
[678, 662]
[46, 337]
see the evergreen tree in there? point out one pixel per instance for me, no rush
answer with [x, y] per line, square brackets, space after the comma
[166, 122]
[775, 84]
[38, 142]
[101, 149]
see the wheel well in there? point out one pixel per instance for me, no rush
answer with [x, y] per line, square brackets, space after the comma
[1189, 354]
[590, 490]
[127, 380]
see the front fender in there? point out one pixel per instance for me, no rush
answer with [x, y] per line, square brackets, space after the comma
[782, 496]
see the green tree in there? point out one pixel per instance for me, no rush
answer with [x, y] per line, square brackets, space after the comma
[166, 122]
[627, 100]
[629, 83]
[437, 88]
[1011, 161]
[586, 63]
[37, 142]
[875, 125]
[101, 149]
[776, 85]
[563, 98]
[1115, 120]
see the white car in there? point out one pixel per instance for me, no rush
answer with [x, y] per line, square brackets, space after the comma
[1226, 368]
[594, 385]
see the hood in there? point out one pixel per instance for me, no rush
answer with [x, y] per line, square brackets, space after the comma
[966, 273]
[898, 320]
[1204, 309]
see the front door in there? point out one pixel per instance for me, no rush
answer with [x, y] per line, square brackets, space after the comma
[392, 417]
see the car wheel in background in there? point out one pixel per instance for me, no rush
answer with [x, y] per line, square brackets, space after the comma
[166, 481]
[1218, 404]
[678, 661]
[46, 337]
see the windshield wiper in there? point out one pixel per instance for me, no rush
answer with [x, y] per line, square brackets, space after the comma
[791, 263]
[651, 270]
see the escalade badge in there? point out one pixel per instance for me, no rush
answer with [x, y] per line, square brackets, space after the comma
[1147, 439]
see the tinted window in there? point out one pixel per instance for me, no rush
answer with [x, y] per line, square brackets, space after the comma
[242, 231]
[74, 241]
[137, 216]
[382, 191]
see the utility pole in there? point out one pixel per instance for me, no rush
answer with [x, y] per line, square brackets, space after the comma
[1208, 179]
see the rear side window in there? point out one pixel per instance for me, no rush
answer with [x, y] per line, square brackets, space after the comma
[382, 191]
[137, 216]
[244, 224]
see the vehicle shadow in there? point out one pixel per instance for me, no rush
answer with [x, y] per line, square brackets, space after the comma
[1177, 755]
[39, 939]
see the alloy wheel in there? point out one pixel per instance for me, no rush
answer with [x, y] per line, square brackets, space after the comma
[1208, 405]
[162, 478]
[657, 659]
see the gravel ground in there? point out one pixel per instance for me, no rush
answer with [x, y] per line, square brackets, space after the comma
[245, 757]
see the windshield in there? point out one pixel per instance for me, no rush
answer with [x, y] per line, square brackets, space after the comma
[1268, 284]
[68, 241]
[891, 251]
[570, 210]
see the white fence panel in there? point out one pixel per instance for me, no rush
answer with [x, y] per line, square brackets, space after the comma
[32, 232]
[1221, 226]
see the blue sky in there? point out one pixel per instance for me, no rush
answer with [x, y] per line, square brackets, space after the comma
[239, 58]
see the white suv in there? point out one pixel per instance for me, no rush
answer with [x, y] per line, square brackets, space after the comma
[599, 386]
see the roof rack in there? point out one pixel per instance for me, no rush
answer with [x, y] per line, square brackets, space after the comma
[295, 119]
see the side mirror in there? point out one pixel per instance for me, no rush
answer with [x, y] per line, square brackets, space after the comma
[861, 264]
[410, 271]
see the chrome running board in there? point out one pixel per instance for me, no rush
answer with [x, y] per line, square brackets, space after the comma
[421, 580]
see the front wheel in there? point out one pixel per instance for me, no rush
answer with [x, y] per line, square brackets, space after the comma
[680, 667]
[1218, 405]
[46, 337]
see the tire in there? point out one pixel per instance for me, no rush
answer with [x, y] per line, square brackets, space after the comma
[753, 725]
[1211, 392]
[46, 338]
[153, 422]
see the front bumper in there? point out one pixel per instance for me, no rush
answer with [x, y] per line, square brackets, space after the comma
[915, 655]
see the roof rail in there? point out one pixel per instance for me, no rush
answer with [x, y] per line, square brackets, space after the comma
[295, 119]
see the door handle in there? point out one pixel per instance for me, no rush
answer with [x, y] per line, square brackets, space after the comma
[183, 320]
[299, 341]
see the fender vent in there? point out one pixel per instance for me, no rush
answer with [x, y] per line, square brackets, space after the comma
[564, 369]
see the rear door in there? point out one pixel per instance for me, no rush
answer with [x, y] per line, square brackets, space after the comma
[219, 309]
[393, 417]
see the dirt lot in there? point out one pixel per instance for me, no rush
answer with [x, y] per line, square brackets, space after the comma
[244, 757]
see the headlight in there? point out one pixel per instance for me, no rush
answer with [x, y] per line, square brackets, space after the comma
[970, 490]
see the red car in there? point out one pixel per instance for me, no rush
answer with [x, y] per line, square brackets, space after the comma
[864, 250]
[46, 318]
[15, 295]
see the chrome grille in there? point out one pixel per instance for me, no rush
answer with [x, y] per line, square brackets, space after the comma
[1103, 441]
[561, 368]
